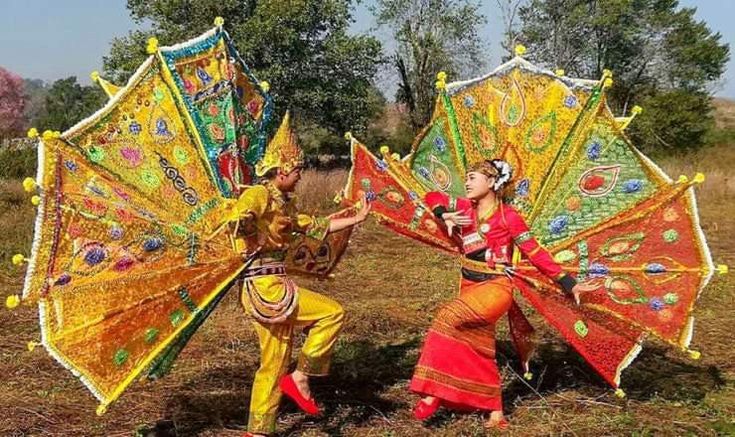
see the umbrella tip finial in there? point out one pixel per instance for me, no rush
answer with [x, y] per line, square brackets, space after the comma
[152, 45]
[698, 178]
[101, 409]
[722, 269]
[682, 179]
[620, 393]
[695, 355]
[528, 376]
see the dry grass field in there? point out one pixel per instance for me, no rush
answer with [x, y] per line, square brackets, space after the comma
[390, 288]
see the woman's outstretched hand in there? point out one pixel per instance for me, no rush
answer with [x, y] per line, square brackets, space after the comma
[454, 219]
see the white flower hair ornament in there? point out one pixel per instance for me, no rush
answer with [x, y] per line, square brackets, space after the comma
[505, 173]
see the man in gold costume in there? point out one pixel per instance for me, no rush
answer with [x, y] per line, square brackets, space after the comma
[266, 217]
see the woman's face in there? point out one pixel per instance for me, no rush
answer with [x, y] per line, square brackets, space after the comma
[477, 185]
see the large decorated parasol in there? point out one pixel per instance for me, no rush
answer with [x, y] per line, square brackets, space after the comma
[126, 262]
[606, 212]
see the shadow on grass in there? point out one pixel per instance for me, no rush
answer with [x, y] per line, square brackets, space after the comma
[361, 371]
[350, 395]
[557, 367]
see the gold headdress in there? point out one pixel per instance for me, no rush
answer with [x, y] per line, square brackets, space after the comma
[282, 152]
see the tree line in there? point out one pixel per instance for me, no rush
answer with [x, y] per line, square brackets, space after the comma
[663, 58]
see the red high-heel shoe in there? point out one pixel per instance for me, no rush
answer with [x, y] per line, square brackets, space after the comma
[288, 387]
[424, 410]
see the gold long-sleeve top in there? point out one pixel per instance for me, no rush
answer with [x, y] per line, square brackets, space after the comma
[267, 220]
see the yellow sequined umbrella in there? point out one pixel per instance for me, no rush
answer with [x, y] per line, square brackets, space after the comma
[125, 265]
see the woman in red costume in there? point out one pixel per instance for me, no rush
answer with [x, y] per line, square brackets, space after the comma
[457, 366]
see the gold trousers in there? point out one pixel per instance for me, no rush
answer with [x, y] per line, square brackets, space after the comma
[322, 319]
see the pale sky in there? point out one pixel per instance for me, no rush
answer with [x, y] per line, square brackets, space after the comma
[53, 39]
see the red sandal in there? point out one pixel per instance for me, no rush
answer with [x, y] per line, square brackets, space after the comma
[424, 410]
[288, 387]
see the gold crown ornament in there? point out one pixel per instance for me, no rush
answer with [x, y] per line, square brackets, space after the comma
[282, 152]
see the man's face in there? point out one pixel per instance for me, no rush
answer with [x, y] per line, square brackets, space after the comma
[286, 182]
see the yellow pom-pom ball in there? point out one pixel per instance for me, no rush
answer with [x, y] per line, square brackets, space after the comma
[440, 84]
[31, 345]
[528, 376]
[698, 178]
[695, 355]
[18, 259]
[395, 157]
[152, 46]
[56, 134]
[348, 136]
[12, 301]
[265, 86]
[33, 133]
[722, 269]
[219, 21]
[682, 179]
[560, 72]
[102, 409]
[608, 82]
[520, 50]
[384, 150]
[636, 110]
[95, 76]
[36, 200]
[441, 76]
[47, 134]
[607, 72]
[29, 184]
[620, 393]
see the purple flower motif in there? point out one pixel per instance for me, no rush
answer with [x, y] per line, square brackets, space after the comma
[412, 195]
[558, 224]
[371, 196]
[469, 101]
[70, 165]
[63, 279]
[203, 76]
[439, 144]
[96, 190]
[597, 270]
[381, 165]
[656, 304]
[116, 233]
[522, 188]
[594, 150]
[570, 101]
[162, 127]
[134, 128]
[632, 185]
[424, 172]
[655, 268]
[95, 256]
[152, 244]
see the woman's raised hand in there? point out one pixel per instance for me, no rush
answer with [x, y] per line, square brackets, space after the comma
[453, 219]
